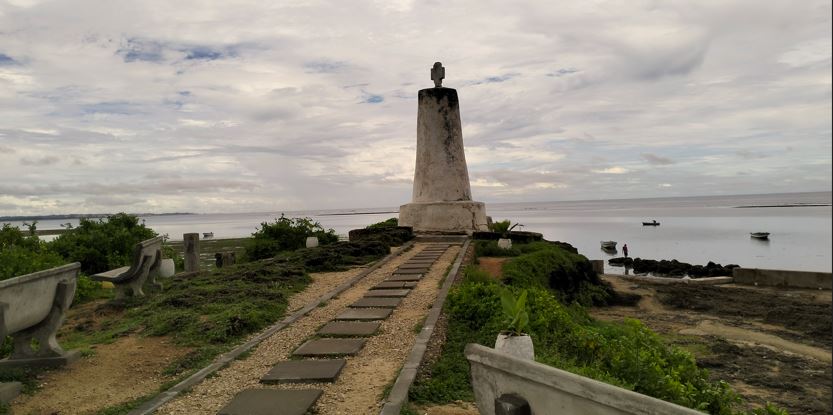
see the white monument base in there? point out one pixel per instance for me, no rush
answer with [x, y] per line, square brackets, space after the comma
[444, 217]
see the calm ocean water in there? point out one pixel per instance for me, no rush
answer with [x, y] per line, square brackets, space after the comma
[693, 229]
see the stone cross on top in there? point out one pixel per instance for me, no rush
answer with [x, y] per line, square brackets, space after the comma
[438, 74]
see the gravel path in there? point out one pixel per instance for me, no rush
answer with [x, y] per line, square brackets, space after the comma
[361, 384]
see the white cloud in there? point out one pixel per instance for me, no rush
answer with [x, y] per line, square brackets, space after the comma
[266, 106]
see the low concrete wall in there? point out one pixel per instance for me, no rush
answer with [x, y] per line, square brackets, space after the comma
[783, 278]
[552, 391]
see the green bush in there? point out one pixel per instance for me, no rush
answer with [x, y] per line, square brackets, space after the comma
[569, 275]
[390, 223]
[286, 234]
[628, 355]
[104, 244]
[22, 254]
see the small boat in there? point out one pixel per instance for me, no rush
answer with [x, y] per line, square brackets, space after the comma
[208, 234]
[609, 245]
[760, 235]
[654, 223]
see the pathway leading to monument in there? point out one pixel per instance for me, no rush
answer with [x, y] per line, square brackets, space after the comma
[341, 356]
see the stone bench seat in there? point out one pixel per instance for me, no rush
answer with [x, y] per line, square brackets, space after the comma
[147, 257]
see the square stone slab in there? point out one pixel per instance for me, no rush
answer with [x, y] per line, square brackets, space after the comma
[300, 371]
[271, 401]
[385, 285]
[365, 314]
[349, 328]
[409, 271]
[406, 277]
[419, 262]
[387, 293]
[330, 347]
[414, 266]
[377, 302]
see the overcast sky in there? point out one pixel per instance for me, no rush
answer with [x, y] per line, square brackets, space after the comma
[240, 106]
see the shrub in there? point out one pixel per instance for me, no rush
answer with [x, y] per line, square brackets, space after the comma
[390, 223]
[104, 244]
[21, 254]
[286, 234]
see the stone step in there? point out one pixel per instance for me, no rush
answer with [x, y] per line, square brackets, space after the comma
[377, 302]
[419, 262]
[387, 285]
[414, 266]
[400, 271]
[349, 328]
[387, 293]
[365, 314]
[330, 347]
[407, 277]
[303, 371]
[272, 401]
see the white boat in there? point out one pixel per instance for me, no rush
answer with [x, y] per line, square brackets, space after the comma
[609, 245]
[760, 235]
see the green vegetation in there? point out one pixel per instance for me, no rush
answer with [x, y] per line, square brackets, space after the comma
[390, 223]
[102, 245]
[514, 311]
[22, 254]
[286, 234]
[559, 284]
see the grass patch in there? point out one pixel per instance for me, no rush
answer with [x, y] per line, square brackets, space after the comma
[628, 355]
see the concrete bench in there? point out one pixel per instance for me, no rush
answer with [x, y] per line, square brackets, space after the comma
[147, 255]
[32, 308]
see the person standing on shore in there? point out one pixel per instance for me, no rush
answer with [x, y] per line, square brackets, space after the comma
[625, 250]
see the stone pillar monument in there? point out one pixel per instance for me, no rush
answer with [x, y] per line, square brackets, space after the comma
[442, 193]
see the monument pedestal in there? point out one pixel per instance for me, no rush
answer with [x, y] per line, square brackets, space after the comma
[444, 217]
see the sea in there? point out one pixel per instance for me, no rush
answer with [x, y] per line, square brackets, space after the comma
[692, 229]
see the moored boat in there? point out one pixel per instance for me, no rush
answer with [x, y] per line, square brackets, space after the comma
[653, 223]
[760, 235]
[208, 234]
[608, 245]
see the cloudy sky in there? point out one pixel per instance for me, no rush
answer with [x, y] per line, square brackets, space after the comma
[240, 106]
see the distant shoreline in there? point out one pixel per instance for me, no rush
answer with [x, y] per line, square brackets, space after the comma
[785, 205]
[85, 216]
[355, 213]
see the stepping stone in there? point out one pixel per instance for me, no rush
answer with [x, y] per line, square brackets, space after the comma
[388, 285]
[301, 371]
[377, 302]
[349, 328]
[426, 258]
[401, 271]
[387, 293]
[406, 277]
[330, 347]
[419, 262]
[414, 266]
[268, 401]
[365, 314]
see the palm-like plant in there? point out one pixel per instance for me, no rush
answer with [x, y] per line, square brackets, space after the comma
[514, 309]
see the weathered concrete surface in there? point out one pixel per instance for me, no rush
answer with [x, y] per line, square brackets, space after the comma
[145, 263]
[387, 293]
[191, 251]
[452, 217]
[783, 278]
[350, 328]
[9, 391]
[330, 347]
[365, 314]
[442, 193]
[377, 302]
[32, 308]
[298, 371]
[271, 402]
[598, 265]
[405, 277]
[552, 391]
